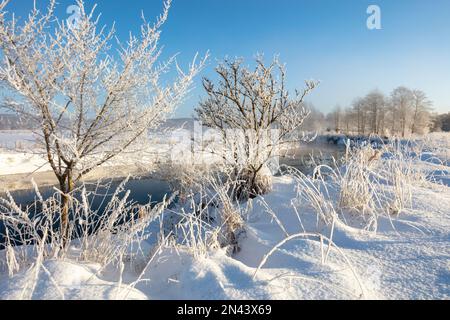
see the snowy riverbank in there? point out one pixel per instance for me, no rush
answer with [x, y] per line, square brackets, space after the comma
[285, 253]
[408, 262]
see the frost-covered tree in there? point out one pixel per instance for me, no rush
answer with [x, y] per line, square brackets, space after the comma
[337, 119]
[401, 110]
[316, 120]
[255, 114]
[422, 106]
[375, 106]
[91, 95]
[406, 111]
[360, 112]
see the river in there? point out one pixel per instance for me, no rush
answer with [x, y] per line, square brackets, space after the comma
[145, 189]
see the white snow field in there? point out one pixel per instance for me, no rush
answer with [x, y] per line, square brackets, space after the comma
[19, 153]
[285, 253]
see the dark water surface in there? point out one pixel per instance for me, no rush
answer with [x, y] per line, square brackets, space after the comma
[142, 191]
[308, 156]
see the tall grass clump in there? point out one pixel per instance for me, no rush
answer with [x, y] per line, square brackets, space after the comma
[356, 186]
[401, 170]
[207, 216]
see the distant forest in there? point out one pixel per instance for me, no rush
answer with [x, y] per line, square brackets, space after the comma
[401, 113]
[442, 122]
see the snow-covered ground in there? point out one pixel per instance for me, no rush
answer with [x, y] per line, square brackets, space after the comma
[411, 261]
[284, 254]
[19, 154]
[22, 162]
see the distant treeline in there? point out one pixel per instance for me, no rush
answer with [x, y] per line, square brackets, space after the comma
[402, 113]
[371, 114]
[441, 122]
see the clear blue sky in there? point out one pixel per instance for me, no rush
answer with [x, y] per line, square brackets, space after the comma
[325, 40]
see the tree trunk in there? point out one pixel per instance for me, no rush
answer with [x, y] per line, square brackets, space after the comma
[252, 183]
[66, 186]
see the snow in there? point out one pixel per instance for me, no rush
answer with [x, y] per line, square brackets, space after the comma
[408, 257]
[408, 262]
[69, 280]
[16, 153]
[15, 162]
[19, 156]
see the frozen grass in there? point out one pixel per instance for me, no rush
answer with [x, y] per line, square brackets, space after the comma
[207, 215]
[33, 233]
[369, 182]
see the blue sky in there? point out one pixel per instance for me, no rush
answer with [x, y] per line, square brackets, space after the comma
[325, 40]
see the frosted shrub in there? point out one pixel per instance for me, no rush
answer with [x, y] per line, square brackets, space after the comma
[92, 95]
[255, 115]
